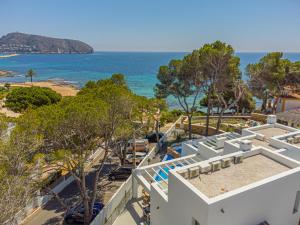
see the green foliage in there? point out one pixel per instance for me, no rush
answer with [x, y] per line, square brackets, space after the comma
[22, 98]
[272, 73]
[7, 85]
[3, 92]
[170, 116]
[17, 183]
[247, 103]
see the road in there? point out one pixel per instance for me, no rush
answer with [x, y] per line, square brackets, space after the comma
[52, 213]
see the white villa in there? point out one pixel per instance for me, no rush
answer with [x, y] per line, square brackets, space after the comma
[228, 179]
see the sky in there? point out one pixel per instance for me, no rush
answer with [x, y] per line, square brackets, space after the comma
[159, 25]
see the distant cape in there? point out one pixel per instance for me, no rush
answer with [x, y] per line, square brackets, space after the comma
[21, 43]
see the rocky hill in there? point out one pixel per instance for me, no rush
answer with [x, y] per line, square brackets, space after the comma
[27, 43]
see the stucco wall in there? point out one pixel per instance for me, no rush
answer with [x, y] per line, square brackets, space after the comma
[272, 202]
[159, 207]
[183, 205]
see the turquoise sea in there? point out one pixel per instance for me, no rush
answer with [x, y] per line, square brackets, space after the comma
[140, 68]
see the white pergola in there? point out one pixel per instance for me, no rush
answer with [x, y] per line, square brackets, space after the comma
[159, 172]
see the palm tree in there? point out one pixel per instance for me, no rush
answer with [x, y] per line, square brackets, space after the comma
[30, 73]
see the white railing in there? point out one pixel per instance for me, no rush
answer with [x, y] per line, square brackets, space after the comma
[116, 205]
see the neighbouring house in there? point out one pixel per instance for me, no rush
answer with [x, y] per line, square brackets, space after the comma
[289, 100]
[228, 179]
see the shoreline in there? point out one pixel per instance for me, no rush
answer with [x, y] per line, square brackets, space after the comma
[6, 73]
[7, 56]
[60, 87]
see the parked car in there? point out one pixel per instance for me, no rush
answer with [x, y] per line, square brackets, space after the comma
[152, 137]
[139, 156]
[121, 173]
[76, 213]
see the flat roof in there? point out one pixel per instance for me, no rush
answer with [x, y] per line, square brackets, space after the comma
[269, 132]
[294, 154]
[252, 169]
[265, 144]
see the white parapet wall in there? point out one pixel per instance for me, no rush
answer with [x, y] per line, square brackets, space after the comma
[271, 199]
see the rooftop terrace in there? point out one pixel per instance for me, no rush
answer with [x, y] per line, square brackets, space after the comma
[252, 169]
[265, 144]
[269, 132]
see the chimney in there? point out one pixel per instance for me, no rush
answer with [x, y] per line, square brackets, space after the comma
[271, 119]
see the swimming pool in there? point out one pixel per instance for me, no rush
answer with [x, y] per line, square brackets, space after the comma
[165, 175]
[167, 157]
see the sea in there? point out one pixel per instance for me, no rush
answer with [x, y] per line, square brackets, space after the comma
[140, 68]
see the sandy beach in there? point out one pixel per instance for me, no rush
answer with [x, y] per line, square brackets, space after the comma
[7, 56]
[63, 89]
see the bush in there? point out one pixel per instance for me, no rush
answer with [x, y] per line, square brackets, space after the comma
[3, 92]
[170, 116]
[22, 98]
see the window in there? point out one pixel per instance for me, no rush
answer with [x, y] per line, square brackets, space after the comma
[296, 204]
[195, 222]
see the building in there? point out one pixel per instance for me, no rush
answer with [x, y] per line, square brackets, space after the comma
[289, 100]
[229, 179]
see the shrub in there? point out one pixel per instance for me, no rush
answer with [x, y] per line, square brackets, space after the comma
[22, 98]
[170, 116]
[3, 92]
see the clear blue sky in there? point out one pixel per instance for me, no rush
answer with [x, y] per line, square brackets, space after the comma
[159, 25]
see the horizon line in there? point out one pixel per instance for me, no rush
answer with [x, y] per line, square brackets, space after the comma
[171, 51]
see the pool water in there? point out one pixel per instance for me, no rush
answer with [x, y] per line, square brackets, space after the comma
[163, 174]
[167, 157]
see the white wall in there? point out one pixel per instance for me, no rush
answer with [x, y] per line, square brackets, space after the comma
[160, 213]
[272, 202]
[188, 149]
[207, 152]
[183, 205]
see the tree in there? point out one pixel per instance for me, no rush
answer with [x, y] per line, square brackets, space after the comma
[246, 104]
[219, 69]
[181, 79]
[17, 168]
[72, 130]
[229, 101]
[7, 86]
[155, 110]
[269, 77]
[120, 101]
[30, 73]
[22, 98]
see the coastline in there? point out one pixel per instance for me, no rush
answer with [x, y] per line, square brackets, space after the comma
[6, 73]
[7, 56]
[60, 87]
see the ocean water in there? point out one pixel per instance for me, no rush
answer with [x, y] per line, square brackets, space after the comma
[140, 68]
